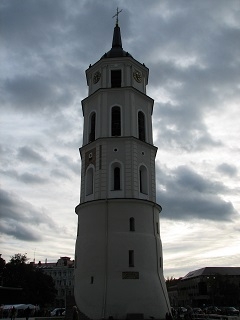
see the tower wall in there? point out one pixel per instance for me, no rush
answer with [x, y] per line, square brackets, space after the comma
[111, 282]
[131, 154]
[119, 264]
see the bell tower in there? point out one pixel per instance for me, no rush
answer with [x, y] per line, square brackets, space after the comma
[118, 255]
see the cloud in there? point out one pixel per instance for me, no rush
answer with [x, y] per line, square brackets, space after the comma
[227, 169]
[32, 178]
[69, 163]
[19, 231]
[36, 93]
[20, 219]
[182, 127]
[28, 154]
[192, 52]
[185, 194]
[26, 177]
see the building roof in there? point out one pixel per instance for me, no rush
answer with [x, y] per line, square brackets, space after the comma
[116, 50]
[207, 271]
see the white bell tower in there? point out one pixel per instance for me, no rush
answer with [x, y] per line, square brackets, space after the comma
[119, 264]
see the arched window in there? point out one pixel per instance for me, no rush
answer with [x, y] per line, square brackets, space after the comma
[89, 181]
[143, 180]
[132, 224]
[141, 126]
[116, 121]
[116, 178]
[92, 127]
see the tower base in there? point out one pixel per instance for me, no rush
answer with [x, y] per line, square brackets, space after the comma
[118, 271]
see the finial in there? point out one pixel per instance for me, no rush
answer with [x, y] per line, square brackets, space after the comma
[116, 15]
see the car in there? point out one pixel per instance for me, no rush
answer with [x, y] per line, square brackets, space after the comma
[197, 310]
[181, 311]
[212, 310]
[230, 311]
[57, 312]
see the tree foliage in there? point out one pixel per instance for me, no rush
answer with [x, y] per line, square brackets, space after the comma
[172, 281]
[38, 288]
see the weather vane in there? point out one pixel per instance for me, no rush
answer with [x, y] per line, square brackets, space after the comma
[116, 15]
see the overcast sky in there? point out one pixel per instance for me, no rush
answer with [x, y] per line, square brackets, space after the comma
[192, 50]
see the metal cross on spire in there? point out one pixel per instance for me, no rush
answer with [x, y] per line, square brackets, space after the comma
[116, 15]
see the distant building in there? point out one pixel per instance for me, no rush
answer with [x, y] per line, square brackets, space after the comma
[62, 273]
[207, 286]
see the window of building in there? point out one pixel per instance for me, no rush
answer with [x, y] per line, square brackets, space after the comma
[92, 127]
[89, 181]
[116, 78]
[132, 224]
[141, 126]
[116, 178]
[157, 227]
[131, 258]
[143, 180]
[116, 121]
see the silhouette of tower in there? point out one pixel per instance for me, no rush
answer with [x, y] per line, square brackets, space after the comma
[119, 264]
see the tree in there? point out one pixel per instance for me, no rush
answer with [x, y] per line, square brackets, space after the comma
[38, 288]
[2, 266]
[172, 281]
[18, 259]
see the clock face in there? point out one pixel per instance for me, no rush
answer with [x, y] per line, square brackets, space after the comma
[96, 77]
[137, 76]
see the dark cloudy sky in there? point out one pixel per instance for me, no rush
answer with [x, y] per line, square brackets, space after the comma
[192, 49]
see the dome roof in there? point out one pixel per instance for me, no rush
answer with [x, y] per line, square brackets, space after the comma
[116, 50]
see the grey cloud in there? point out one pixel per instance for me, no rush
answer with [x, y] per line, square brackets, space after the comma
[19, 231]
[20, 219]
[30, 178]
[69, 163]
[228, 169]
[28, 154]
[192, 51]
[185, 195]
[26, 177]
[42, 16]
[57, 173]
[190, 180]
[35, 93]
[205, 84]
[182, 127]
[13, 207]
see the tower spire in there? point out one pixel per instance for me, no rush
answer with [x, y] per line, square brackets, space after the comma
[117, 49]
[117, 41]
